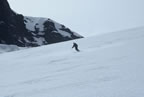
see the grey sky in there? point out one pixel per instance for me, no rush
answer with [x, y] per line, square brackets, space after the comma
[86, 17]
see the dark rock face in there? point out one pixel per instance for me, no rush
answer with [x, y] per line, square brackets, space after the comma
[26, 31]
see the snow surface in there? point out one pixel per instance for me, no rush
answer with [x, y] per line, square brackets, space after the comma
[40, 40]
[64, 33]
[32, 22]
[8, 48]
[109, 65]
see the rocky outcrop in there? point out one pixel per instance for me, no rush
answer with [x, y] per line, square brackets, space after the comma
[26, 31]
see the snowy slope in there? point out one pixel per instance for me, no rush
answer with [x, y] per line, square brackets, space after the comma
[109, 65]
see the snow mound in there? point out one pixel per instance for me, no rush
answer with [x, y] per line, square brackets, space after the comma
[8, 48]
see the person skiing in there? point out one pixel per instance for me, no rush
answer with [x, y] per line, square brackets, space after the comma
[75, 46]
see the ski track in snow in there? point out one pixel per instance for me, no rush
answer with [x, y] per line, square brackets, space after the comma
[109, 65]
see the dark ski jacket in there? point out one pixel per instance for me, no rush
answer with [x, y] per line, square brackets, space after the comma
[75, 46]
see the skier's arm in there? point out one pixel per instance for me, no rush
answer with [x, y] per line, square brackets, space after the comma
[73, 46]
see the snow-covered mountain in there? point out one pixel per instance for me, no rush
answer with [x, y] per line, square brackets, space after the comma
[109, 65]
[27, 31]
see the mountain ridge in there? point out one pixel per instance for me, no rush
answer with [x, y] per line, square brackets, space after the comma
[20, 30]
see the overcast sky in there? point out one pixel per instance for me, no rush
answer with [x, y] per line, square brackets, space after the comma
[86, 17]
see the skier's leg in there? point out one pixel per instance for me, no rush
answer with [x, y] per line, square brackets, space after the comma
[77, 49]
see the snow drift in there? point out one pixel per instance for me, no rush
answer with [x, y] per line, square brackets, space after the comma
[8, 48]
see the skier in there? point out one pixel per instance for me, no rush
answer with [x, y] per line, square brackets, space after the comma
[75, 46]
